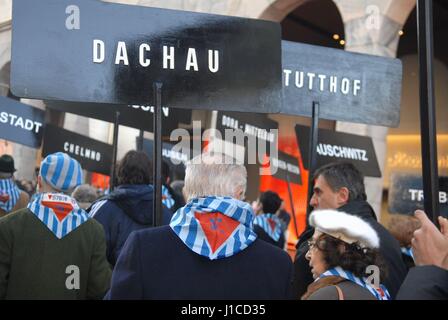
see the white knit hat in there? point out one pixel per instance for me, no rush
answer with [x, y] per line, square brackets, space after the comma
[345, 227]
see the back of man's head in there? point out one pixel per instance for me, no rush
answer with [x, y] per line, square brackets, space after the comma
[270, 202]
[7, 168]
[343, 174]
[135, 168]
[214, 175]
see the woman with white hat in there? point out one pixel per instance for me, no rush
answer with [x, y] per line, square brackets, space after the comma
[344, 259]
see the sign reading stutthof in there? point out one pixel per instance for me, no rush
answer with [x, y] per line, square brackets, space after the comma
[348, 86]
[338, 146]
[93, 155]
[21, 123]
[93, 51]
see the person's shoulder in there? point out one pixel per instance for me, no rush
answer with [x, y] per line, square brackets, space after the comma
[153, 233]
[270, 251]
[16, 216]
[325, 293]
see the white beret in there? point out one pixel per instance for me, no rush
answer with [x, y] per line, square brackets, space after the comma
[345, 227]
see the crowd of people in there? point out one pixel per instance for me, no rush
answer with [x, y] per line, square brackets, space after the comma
[63, 239]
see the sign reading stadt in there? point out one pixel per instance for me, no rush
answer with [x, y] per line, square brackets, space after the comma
[92, 51]
[349, 86]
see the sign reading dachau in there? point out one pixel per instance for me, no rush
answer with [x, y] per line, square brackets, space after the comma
[93, 155]
[338, 146]
[349, 86]
[92, 51]
[21, 123]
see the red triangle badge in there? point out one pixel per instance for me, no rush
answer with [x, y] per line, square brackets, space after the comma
[4, 197]
[61, 209]
[217, 227]
[272, 224]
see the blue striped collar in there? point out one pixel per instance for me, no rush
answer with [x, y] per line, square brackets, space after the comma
[58, 212]
[380, 293]
[215, 227]
[9, 194]
[271, 224]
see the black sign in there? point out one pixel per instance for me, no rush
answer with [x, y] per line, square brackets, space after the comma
[349, 86]
[21, 123]
[135, 116]
[92, 51]
[406, 194]
[176, 158]
[93, 155]
[257, 129]
[337, 146]
[285, 164]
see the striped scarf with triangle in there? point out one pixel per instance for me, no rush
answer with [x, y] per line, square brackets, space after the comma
[215, 227]
[9, 194]
[58, 212]
[271, 224]
[380, 293]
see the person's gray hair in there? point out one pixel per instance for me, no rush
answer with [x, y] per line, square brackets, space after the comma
[214, 175]
[85, 194]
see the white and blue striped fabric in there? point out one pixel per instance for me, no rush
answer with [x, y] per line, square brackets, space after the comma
[408, 252]
[263, 220]
[380, 293]
[61, 171]
[48, 217]
[167, 199]
[189, 229]
[9, 194]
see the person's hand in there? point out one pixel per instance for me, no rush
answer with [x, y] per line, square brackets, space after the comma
[429, 245]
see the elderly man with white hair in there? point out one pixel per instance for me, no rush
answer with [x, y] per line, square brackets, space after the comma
[209, 250]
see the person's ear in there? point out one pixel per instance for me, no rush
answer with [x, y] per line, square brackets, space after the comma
[343, 196]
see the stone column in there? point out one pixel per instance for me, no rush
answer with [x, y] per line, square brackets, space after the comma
[372, 27]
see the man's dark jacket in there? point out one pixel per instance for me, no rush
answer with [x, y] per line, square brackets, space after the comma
[156, 264]
[389, 249]
[425, 283]
[126, 209]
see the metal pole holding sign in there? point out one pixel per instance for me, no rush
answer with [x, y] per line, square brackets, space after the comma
[140, 140]
[427, 109]
[157, 154]
[115, 149]
[293, 212]
[312, 154]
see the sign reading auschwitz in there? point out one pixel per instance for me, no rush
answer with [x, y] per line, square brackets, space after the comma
[349, 86]
[61, 50]
[338, 146]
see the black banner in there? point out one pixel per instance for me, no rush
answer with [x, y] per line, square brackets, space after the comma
[135, 116]
[61, 50]
[174, 157]
[286, 165]
[93, 155]
[21, 123]
[349, 86]
[257, 128]
[338, 146]
[406, 194]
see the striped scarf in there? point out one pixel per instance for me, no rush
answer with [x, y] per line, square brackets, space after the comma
[380, 293]
[167, 199]
[60, 213]
[9, 194]
[215, 227]
[407, 251]
[271, 224]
